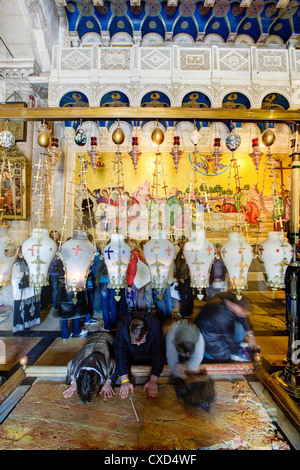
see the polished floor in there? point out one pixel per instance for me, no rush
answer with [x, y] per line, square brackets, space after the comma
[243, 415]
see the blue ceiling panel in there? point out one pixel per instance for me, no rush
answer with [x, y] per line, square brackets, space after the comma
[225, 17]
[120, 24]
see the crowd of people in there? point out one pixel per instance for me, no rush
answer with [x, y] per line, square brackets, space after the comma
[132, 332]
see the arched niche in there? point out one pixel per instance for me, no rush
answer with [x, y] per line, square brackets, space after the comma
[114, 99]
[73, 99]
[195, 99]
[275, 101]
[91, 38]
[155, 99]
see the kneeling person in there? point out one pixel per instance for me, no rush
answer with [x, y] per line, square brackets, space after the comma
[184, 348]
[139, 341]
[93, 369]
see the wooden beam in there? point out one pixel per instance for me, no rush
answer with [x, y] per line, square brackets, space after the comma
[11, 384]
[147, 113]
[144, 371]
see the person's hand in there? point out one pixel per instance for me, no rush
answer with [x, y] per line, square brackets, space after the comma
[70, 391]
[181, 368]
[125, 389]
[128, 289]
[107, 390]
[151, 386]
[252, 343]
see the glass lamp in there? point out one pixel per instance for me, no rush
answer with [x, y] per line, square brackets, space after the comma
[237, 256]
[159, 253]
[38, 251]
[77, 255]
[199, 254]
[117, 256]
[276, 254]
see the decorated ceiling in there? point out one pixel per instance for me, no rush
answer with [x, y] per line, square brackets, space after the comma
[191, 20]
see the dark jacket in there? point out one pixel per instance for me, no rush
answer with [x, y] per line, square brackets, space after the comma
[153, 351]
[222, 270]
[68, 307]
[182, 268]
[216, 323]
[104, 362]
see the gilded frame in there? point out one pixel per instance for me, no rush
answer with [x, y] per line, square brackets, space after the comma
[17, 163]
[18, 128]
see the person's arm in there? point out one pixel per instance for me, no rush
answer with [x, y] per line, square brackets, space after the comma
[197, 357]
[249, 334]
[171, 352]
[158, 349]
[131, 270]
[121, 351]
[126, 386]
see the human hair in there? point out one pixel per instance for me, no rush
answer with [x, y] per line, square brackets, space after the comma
[54, 235]
[244, 302]
[135, 245]
[88, 385]
[186, 348]
[138, 328]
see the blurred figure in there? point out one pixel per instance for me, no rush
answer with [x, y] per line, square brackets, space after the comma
[197, 394]
[139, 292]
[184, 348]
[92, 370]
[53, 271]
[224, 325]
[67, 310]
[107, 295]
[218, 271]
[26, 303]
[163, 302]
[184, 284]
[90, 290]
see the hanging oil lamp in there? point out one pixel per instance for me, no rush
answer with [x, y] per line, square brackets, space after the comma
[77, 255]
[159, 253]
[93, 152]
[199, 253]
[195, 137]
[176, 152]
[135, 153]
[7, 139]
[275, 253]
[233, 141]
[117, 256]
[157, 137]
[53, 152]
[256, 154]
[44, 135]
[216, 155]
[38, 251]
[80, 136]
[237, 256]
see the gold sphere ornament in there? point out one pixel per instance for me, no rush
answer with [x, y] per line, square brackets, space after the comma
[118, 136]
[23, 361]
[268, 138]
[157, 136]
[257, 357]
[44, 139]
